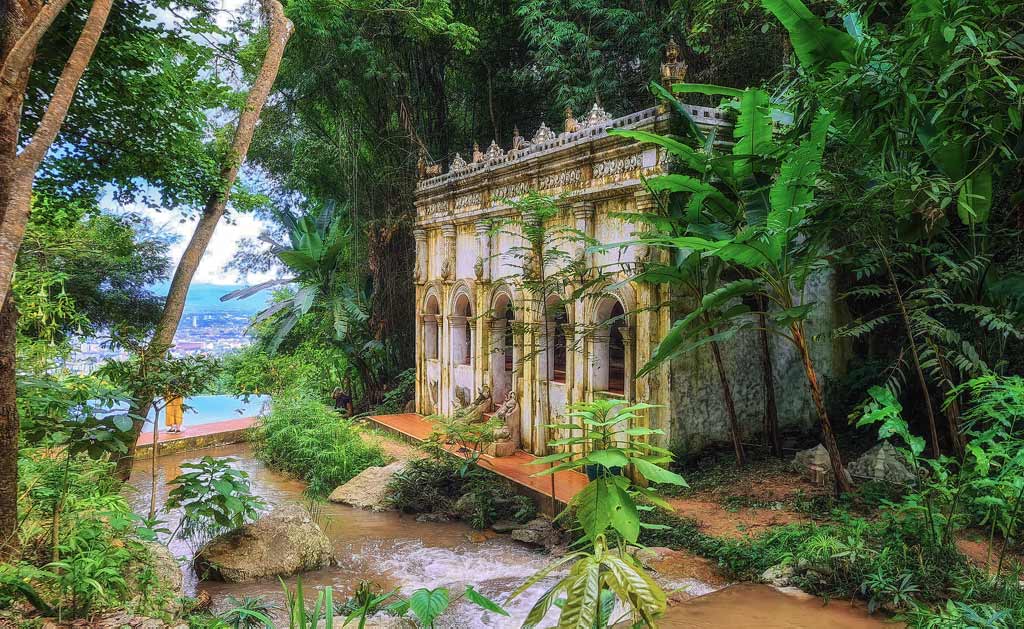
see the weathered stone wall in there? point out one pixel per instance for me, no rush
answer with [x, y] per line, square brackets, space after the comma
[698, 408]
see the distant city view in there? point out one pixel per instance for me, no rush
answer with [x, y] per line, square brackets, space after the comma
[208, 326]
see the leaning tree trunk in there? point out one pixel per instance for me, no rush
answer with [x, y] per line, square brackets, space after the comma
[771, 412]
[21, 173]
[838, 470]
[216, 204]
[8, 434]
[730, 406]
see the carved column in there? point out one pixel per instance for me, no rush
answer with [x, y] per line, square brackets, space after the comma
[645, 203]
[448, 259]
[583, 213]
[629, 368]
[483, 260]
[420, 272]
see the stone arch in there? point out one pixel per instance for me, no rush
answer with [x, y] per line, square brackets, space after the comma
[504, 351]
[461, 312]
[430, 322]
[611, 324]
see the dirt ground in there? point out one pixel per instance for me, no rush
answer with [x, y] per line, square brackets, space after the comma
[754, 500]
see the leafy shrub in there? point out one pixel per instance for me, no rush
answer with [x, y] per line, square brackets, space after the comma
[400, 392]
[444, 485]
[213, 497]
[304, 437]
[98, 561]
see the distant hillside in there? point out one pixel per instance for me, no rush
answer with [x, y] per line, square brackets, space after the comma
[206, 298]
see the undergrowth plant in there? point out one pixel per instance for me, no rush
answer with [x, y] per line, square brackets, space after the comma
[304, 437]
[214, 497]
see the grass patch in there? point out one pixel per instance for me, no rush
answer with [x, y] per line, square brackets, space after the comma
[305, 438]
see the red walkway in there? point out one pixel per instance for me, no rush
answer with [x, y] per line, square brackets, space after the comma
[516, 468]
[201, 430]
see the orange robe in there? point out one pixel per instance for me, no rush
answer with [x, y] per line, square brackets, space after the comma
[173, 412]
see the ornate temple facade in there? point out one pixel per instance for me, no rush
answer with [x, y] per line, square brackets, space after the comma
[481, 339]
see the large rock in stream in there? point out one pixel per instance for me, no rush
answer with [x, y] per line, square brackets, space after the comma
[369, 488]
[283, 542]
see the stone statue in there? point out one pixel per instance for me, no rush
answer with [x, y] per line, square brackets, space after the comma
[571, 126]
[424, 168]
[519, 143]
[503, 443]
[478, 156]
[472, 412]
[672, 70]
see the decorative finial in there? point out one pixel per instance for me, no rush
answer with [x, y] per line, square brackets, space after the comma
[673, 70]
[458, 164]
[571, 126]
[596, 118]
[543, 135]
[494, 152]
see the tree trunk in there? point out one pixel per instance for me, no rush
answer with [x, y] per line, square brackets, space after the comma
[730, 407]
[921, 381]
[8, 435]
[22, 172]
[10, 121]
[771, 412]
[216, 204]
[838, 469]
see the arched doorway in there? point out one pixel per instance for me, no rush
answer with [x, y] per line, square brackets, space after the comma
[503, 350]
[460, 350]
[430, 332]
[610, 364]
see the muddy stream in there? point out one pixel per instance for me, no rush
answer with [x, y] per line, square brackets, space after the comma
[396, 551]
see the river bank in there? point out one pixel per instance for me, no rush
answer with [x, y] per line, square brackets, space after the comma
[396, 551]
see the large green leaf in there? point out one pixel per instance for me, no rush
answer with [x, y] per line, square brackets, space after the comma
[752, 134]
[427, 605]
[794, 187]
[593, 507]
[704, 88]
[482, 601]
[729, 291]
[608, 458]
[975, 200]
[623, 517]
[582, 597]
[685, 154]
[656, 473]
[685, 183]
[816, 45]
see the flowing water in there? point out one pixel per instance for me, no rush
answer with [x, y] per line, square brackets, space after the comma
[396, 551]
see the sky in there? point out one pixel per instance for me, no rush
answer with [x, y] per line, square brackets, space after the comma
[222, 247]
[227, 235]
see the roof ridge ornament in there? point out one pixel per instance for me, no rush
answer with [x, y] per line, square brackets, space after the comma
[458, 164]
[543, 135]
[494, 152]
[596, 118]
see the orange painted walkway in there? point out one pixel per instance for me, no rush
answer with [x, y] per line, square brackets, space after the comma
[201, 430]
[515, 468]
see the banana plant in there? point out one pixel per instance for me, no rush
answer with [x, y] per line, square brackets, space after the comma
[950, 57]
[751, 209]
[313, 256]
